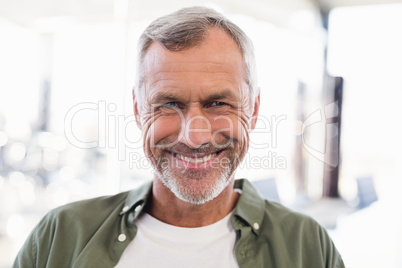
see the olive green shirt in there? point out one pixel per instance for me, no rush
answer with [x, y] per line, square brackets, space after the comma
[94, 233]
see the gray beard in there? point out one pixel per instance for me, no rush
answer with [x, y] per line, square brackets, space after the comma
[173, 180]
[197, 187]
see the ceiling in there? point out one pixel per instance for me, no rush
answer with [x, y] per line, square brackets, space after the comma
[27, 12]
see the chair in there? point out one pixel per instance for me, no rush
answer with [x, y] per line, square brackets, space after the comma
[268, 189]
[366, 191]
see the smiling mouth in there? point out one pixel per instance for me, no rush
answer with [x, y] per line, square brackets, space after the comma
[195, 160]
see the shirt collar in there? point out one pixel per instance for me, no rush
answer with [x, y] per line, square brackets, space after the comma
[250, 207]
[136, 199]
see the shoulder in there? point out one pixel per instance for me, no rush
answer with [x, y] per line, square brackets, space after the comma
[67, 230]
[284, 224]
[300, 234]
[76, 222]
[278, 214]
[304, 240]
[252, 207]
[80, 210]
[277, 223]
[91, 213]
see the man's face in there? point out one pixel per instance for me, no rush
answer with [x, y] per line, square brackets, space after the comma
[195, 113]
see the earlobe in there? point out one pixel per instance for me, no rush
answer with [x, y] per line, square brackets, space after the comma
[136, 111]
[255, 112]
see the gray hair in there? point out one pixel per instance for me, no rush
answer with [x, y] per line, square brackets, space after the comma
[186, 28]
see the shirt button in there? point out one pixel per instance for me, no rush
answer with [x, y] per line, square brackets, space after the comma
[256, 226]
[122, 237]
[138, 208]
[125, 209]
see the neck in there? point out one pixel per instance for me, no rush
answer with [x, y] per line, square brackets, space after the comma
[166, 207]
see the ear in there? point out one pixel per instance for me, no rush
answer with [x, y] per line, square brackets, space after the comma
[255, 112]
[136, 111]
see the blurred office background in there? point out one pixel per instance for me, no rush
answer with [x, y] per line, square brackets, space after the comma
[327, 142]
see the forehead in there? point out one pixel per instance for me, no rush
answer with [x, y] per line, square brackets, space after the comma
[216, 60]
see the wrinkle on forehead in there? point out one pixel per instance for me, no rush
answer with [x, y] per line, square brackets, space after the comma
[214, 65]
[227, 53]
[177, 70]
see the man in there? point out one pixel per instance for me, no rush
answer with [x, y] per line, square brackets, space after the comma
[196, 101]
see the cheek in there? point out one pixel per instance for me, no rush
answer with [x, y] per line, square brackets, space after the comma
[231, 126]
[161, 128]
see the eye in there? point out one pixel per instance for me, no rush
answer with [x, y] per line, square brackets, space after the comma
[217, 104]
[170, 104]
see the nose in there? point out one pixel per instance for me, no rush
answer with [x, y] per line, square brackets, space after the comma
[195, 128]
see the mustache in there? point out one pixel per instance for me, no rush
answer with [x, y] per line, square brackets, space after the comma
[206, 148]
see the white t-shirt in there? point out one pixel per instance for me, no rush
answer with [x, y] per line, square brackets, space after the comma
[158, 244]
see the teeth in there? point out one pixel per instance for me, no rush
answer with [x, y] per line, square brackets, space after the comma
[195, 160]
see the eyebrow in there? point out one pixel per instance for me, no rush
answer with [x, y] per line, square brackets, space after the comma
[170, 96]
[225, 94]
[164, 96]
